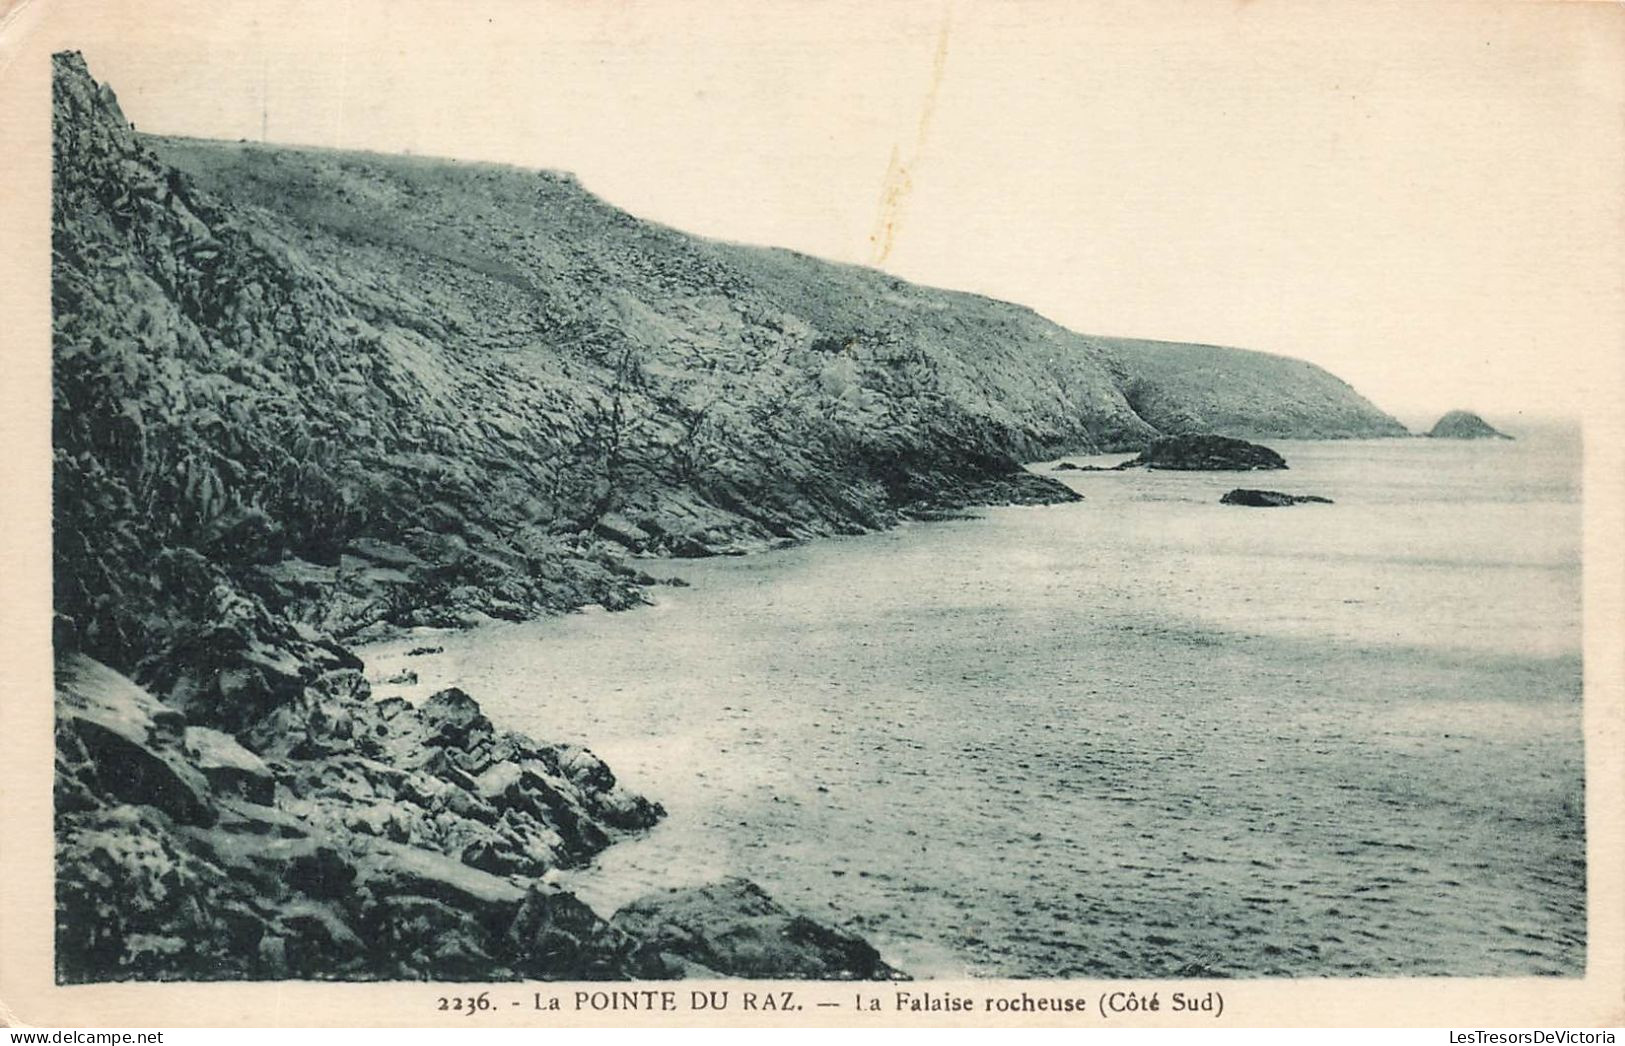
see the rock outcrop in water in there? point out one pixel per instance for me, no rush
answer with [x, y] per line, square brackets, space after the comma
[1205, 454]
[303, 396]
[1270, 498]
[1462, 424]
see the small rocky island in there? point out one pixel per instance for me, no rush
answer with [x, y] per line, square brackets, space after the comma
[1205, 453]
[278, 433]
[1464, 424]
[1270, 498]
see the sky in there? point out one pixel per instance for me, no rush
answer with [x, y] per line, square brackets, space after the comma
[1424, 198]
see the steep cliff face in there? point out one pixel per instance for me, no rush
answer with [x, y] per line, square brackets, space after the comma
[1184, 389]
[385, 388]
[300, 394]
[236, 455]
[532, 263]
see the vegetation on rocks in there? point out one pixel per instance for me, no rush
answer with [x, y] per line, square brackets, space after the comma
[302, 397]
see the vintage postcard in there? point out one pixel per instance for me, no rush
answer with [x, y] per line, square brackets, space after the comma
[813, 514]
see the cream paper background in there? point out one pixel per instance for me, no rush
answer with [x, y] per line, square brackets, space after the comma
[1563, 353]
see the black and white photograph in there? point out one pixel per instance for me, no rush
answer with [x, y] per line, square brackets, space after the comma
[919, 495]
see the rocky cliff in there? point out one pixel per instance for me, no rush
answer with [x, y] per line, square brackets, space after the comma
[405, 390]
[1183, 389]
[303, 395]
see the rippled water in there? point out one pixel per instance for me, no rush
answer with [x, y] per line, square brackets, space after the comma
[1144, 734]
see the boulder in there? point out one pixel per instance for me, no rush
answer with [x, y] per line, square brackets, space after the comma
[454, 720]
[622, 531]
[733, 928]
[236, 668]
[554, 936]
[131, 743]
[366, 840]
[395, 870]
[1462, 424]
[131, 901]
[323, 873]
[1204, 453]
[230, 768]
[507, 806]
[1269, 498]
[314, 724]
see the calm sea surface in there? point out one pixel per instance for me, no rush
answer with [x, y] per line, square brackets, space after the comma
[1141, 735]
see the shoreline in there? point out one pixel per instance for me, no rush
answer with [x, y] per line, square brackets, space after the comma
[575, 657]
[385, 694]
[473, 418]
[419, 796]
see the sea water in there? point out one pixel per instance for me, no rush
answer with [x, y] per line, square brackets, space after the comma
[1140, 735]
